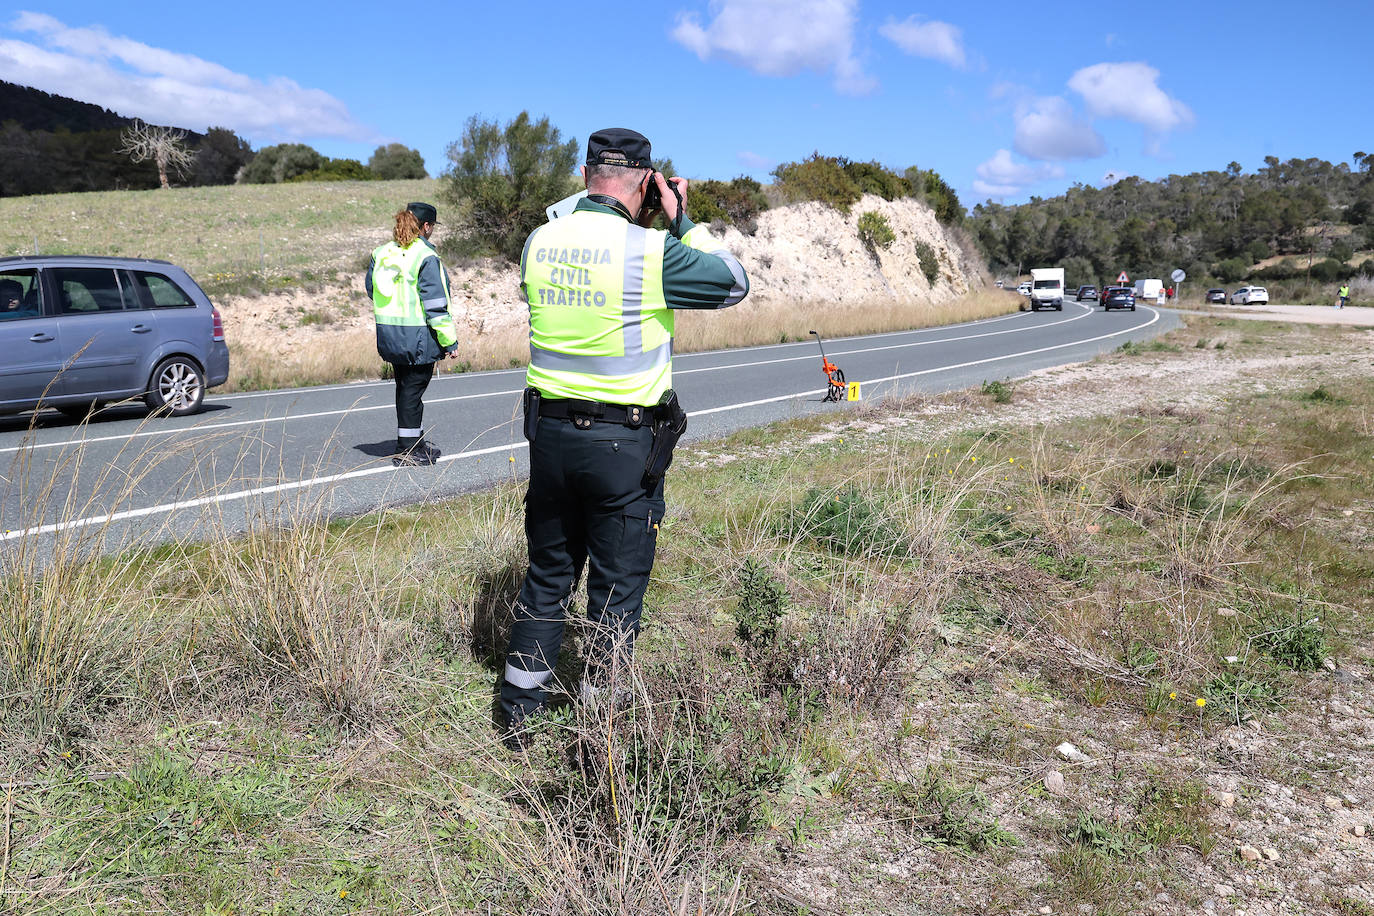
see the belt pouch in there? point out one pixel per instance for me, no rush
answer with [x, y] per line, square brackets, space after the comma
[531, 399]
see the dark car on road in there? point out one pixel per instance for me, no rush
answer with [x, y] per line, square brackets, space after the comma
[1086, 292]
[1118, 297]
[1215, 295]
[78, 331]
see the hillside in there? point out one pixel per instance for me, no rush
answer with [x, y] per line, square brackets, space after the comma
[1221, 227]
[53, 144]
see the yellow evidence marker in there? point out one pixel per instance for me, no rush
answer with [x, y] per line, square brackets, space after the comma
[853, 392]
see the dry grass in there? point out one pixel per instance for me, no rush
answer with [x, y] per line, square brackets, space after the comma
[352, 355]
[298, 719]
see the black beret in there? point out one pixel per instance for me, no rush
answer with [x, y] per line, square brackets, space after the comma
[618, 146]
[423, 212]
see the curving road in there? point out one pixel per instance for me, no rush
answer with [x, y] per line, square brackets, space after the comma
[275, 454]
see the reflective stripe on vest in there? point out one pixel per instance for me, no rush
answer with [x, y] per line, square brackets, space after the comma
[600, 328]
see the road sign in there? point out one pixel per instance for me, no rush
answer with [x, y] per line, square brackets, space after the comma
[1178, 276]
[1122, 278]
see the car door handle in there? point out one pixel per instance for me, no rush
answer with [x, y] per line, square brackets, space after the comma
[141, 329]
[40, 337]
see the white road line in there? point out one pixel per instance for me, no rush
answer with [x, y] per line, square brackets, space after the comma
[212, 427]
[238, 494]
[233, 424]
[900, 346]
[905, 375]
[511, 447]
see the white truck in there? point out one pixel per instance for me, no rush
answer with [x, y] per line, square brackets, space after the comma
[1047, 288]
[1146, 290]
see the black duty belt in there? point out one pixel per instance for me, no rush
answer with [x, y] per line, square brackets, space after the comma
[585, 413]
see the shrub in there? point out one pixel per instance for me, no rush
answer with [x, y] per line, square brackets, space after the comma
[1000, 392]
[395, 160]
[501, 178]
[1328, 271]
[1293, 643]
[819, 178]
[930, 264]
[737, 202]
[874, 178]
[875, 231]
[337, 170]
[762, 602]
[941, 197]
[1232, 269]
[275, 164]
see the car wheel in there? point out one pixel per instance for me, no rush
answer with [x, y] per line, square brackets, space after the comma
[1133, 308]
[177, 387]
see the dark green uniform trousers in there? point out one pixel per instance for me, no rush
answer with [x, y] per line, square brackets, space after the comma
[587, 506]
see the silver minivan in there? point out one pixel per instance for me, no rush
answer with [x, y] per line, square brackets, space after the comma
[77, 331]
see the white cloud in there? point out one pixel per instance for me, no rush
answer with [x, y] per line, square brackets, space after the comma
[1048, 128]
[1130, 91]
[168, 87]
[1001, 176]
[780, 38]
[933, 39]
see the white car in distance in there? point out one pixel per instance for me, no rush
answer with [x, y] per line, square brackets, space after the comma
[1250, 295]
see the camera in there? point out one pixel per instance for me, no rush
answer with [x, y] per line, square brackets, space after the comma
[653, 197]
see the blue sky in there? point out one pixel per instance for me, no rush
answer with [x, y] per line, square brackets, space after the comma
[1005, 99]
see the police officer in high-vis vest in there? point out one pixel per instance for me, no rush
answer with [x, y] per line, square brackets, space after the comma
[415, 322]
[600, 414]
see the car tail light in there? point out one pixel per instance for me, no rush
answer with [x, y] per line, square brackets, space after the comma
[217, 331]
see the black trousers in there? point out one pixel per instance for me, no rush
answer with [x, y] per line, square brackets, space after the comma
[411, 382]
[586, 507]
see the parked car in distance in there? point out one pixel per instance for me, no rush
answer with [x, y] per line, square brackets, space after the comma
[1118, 297]
[1086, 292]
[999, 284]
[77, 331]
[1250, 295]
[1215, 295]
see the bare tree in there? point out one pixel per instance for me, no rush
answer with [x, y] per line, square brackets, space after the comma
[164, 145]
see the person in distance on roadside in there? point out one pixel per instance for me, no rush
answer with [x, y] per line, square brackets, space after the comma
[416, 326]
[600, 413]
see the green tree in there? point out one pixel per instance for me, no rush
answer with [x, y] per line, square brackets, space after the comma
[220, 156]
[275, 164]
[396, 160]
[500, 179]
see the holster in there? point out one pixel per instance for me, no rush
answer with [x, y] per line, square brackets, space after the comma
[670, 422]
[531, 401]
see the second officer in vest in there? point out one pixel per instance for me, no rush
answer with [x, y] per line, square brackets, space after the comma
[602, 289]
[415, 322]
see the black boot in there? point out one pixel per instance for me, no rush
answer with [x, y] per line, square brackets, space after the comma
[415, 453]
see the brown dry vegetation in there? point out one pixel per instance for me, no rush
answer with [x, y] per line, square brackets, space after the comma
[865, 638]
[331, 351]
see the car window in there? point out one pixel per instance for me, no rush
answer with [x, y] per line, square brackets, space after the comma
[160, 292]
[81, 290]
[19, 295]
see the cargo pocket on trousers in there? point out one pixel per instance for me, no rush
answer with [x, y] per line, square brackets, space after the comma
[640, 540]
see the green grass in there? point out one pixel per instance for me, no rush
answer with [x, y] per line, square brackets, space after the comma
[233, 240]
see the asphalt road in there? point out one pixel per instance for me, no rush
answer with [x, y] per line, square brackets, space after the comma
[276, 454]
